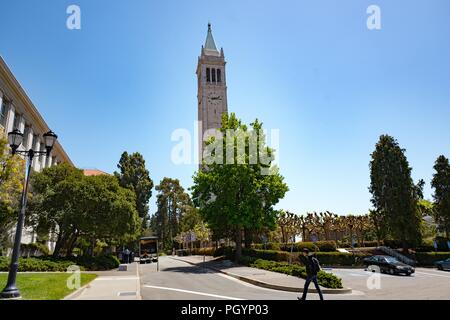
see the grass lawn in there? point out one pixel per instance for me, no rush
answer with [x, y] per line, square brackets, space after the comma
[44, 286]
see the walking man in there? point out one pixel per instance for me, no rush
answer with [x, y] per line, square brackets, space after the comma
[312, 268]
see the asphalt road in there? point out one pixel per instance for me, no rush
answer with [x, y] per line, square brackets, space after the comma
[178, 280]
[424, 284]
[182, 281]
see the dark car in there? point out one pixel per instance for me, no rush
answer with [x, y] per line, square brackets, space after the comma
[443, 264]
[387, 264]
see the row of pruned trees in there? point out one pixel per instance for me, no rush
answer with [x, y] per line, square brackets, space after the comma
[323, 226]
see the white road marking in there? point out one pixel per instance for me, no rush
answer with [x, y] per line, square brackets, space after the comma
[138, 282]
[432, 274]
[115, 278]
[194, 292]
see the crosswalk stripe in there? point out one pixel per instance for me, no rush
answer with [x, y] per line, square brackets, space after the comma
[194, 292]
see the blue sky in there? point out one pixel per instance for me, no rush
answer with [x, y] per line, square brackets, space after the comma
[312, 69]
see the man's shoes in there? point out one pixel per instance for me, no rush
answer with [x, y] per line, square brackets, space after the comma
[300, 298]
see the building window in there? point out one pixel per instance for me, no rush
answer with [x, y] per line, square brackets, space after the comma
[219, 75]
[208, 75]
[3, 113]
[33, 142]
[16, 121]
[26, 131]
[41, 158]
[213, 75]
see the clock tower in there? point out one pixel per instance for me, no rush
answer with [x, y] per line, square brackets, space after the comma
[212, 88]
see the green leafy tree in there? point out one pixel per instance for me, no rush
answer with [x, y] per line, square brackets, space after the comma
[108, 211]
[190, 218]
[51, 211]
[11, 185]
[289, 224]
[77, 208]
[133, 175]
[242, 194]
[441, 185]
[379, 225]
[394, 193]
[202, 232]
[172, 203]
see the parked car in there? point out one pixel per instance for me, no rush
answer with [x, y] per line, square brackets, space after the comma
[388, 264]
[443, 264]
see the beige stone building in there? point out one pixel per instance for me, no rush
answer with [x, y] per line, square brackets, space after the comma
[212, 89]
[17, 111]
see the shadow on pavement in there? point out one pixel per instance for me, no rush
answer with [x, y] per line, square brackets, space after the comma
[190, 269]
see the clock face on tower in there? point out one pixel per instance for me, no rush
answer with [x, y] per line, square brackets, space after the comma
[214, 99]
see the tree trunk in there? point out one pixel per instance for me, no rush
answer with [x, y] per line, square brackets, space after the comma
[72, 243]
[247, 237]
[58, 245]
[283, 235]
[92, 247]
[238, 245]
[405, 246]
[351, 237]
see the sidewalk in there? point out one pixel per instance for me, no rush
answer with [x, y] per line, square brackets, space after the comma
[258, 277]
[111, 285]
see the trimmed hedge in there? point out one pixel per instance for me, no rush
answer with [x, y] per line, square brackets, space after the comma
[366, 244]
[272, 255]
[429, 258]
[267, 246]
[299, 246]
[34, 248]
[98, 263]
[326, 246]
[325, 279]
[341, 258]
[224, 251]
[203, 251]
[325, 258]
[38, 265]
[49, 264]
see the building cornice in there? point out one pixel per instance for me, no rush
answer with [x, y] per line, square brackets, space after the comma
[30, 109]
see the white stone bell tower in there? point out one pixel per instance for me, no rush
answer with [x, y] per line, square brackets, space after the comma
[212, 88]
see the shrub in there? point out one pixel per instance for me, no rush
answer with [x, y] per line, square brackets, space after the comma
[267, 246]
[223, 251]
[340, 258]
[397, 244]
[299, 246]
[426, 246]
[371, 244]
[326, 246]
[266, 254]
[204, 251]
[429, 258]
[36, 264]
[325, 279]
[366, 244]
[98, 263]
[325, 258]
[329, 280]
[246, 261]
[34, 249]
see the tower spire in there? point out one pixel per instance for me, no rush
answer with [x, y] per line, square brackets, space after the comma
[210, 44]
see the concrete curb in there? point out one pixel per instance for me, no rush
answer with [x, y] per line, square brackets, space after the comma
[77, 292]
[272, 286]
[138, 290]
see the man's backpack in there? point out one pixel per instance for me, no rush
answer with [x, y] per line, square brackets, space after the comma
[315, 265]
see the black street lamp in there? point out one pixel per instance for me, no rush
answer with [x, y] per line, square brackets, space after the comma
[15, 139]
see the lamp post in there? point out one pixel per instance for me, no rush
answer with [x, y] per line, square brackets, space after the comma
[15, 139]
